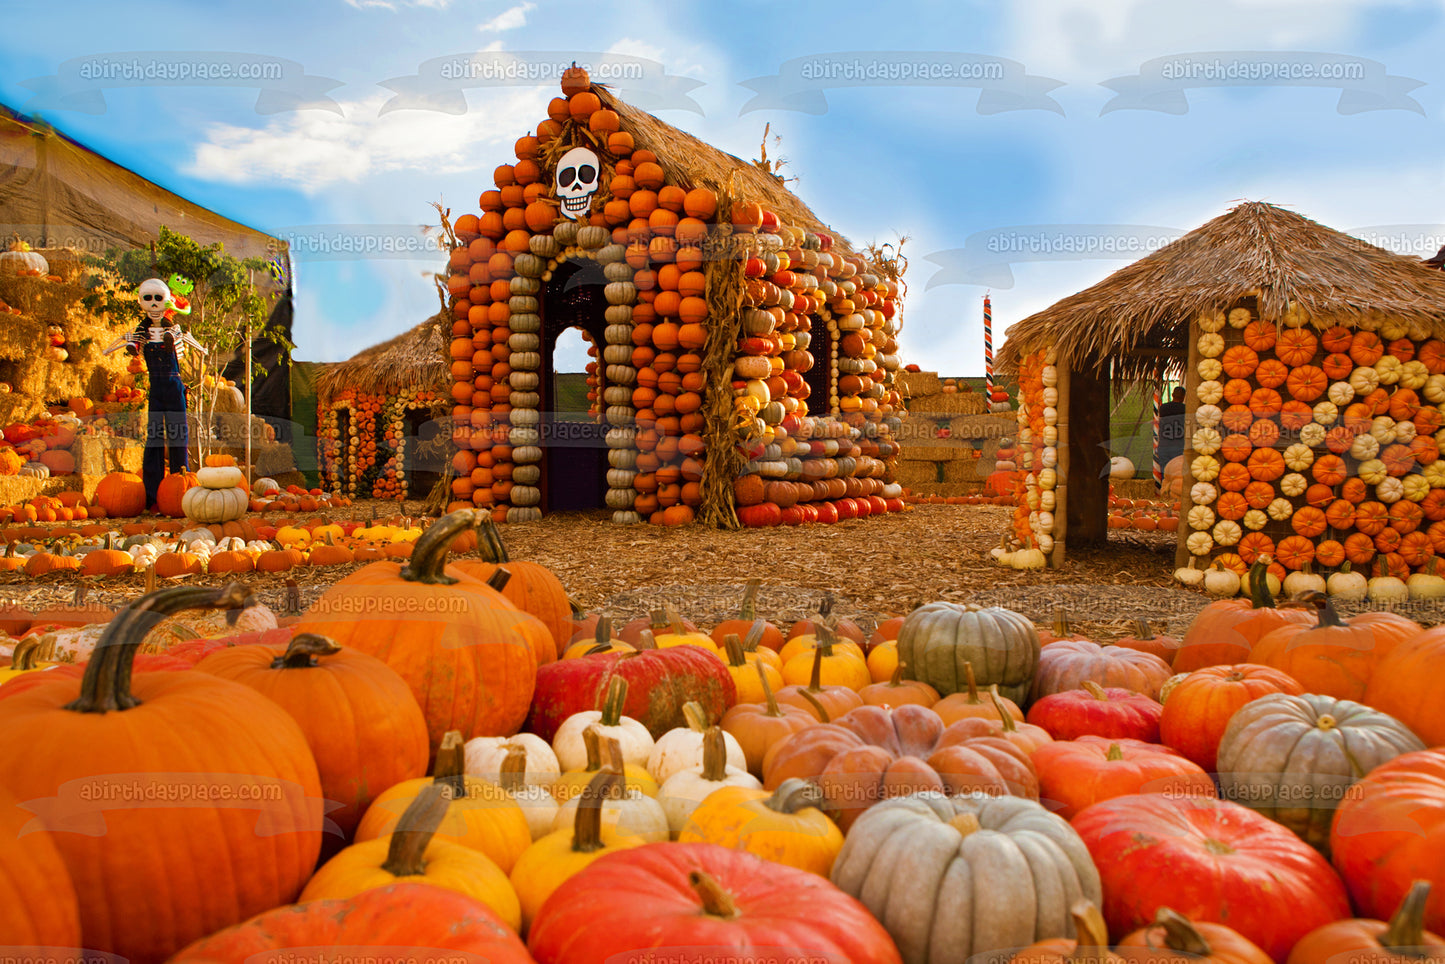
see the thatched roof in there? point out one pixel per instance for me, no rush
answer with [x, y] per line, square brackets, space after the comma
[416, 358]
[1256, 250]
[690, 162]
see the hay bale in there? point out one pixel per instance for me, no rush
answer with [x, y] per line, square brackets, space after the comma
[98, 455]
[15, 488]
[914, 472]
[947, 404]
[962, 470]
[1136, 489]
[913, 384]
[980, 428]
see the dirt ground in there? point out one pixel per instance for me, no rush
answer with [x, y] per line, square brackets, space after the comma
[874, 568]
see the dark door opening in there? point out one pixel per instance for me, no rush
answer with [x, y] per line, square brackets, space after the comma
[341, 466]
[818, 378]
[420, 458]
[574, 448]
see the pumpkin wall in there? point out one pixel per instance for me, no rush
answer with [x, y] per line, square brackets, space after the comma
[1314, 441]
[1036, 481]
[712, 306]
[376, 441]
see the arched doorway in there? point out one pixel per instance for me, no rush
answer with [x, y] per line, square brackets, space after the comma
[574, 448]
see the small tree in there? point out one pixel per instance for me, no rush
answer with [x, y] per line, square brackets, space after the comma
[227, 310]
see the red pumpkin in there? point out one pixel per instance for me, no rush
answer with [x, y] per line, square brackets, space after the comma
[1095, 711]
[1075, 774]
[433, 924]
[167, 734]
[1200, 706]
[1389, 831]
[689, 901]
[1210, 860]
[659, 683]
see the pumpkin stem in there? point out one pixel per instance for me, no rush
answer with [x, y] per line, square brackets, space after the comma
[23, 656]
[303, 649]
[695, 716]
[513, 775]
[795, 794]
[106, 684]
[716, 902]
[714, 755]
[1328, 617]
[1005, 717]
[603, 633]
[659, 622]
[489, 541]
[428, 561]
[1142, 630]
[645, 640]
[450, 768]
[612, 703]
[754, 638]
[1180, 935]
[734, 648]
[749, 608]
[823, 715]
[965, 823]
[768, 696]
[1091, 934]
[1115, 753]
[1406, 934]
[815, 677]
[592, 743]
[587, 825]
[1259, 594]
[499, 578]
[406, 853]
[972, 683]
[897, 678]
[674, 620]
[1061, 622]
[1094, 689]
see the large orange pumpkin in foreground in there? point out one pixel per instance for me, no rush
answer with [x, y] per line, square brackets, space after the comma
[37, 900]
[532, 587]
[100, 758]
[1226, 630]
[121, 494]
[1335, 657]
[467, 662]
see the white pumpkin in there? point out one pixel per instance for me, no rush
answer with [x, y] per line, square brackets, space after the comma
[685, 789]
[1434, 389]
[1304, 581]
[1240, 317]
[681, 748]
[1313, 435]
[1121, 468]
[188, 536]
[1199, 543]
[1207, 441]
[1326, 412]
[1211, 344]
[219, 477]
[1424, 585]
[486, 754]
[1413, 375]
[1029, 558]
[1210, 392]
[1341, 393]
[1388, 589]
[1282, 510]
[635, 740]
[1415, 487]
[1405, 432]
[1050, 376]
[538, 806]
[1210, 368]
[1208, 416]
[1203, 493]
[1201, 517]
[1364, 380]
[1382, 427]
[266, 487]
[1347, 584]
[1371, 471]
[1388, 490]
[635, 813]
[1254, 520]
[201, 504]
[1293, 484]
[1434, 473]
[1364, 448]
[1226, 532]
[1210, 321]
[1204, 468]
[1190, 575]
[1219, 581]
[1299, 457]
[1387, 369]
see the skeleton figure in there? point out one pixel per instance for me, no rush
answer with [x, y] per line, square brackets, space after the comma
[167, 433]
[578, 178]
[155, 301]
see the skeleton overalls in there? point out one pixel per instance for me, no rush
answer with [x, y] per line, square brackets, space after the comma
[166, 433]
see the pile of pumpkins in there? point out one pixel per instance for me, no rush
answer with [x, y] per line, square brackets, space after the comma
[604, 794]
[1146, 515]
[40, 448]
[1383, 590]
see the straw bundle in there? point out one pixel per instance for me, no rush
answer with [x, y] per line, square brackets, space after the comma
[914, 472]
[913, 384]
[947, 403]
[725, 458]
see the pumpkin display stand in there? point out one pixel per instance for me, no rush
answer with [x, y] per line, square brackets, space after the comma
[1313, 366]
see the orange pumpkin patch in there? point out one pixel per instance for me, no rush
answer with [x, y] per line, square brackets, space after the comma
[1307, 383]
[1296, 346]
[1366, 348]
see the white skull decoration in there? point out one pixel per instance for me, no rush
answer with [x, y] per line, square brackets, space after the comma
[155, 296]
[578, 178]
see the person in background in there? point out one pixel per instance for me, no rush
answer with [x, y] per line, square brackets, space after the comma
[1171, 429]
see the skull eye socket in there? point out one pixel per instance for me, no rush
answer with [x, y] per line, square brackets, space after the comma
[152, 298]
[586, 174]
[567, 176]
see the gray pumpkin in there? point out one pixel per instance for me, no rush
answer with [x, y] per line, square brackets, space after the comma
[938, 639]
[951, 877]
[1294, 758]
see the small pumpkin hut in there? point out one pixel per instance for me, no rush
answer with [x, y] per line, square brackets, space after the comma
[1314, 371]
[747, 352]
[380, 416]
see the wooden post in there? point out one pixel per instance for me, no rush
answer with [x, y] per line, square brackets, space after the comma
[1186, 481]
[1061, 486]
[1088, 483]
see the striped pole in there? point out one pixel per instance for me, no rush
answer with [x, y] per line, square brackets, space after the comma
[1158, 469]
[988, 348]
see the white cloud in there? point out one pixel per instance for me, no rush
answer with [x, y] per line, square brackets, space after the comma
[509, 19]
[314, 150]
[632, 47]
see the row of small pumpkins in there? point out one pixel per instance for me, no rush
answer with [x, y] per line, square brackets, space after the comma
[868, 792]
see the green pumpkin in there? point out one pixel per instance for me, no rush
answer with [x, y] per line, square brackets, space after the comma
[939, 639]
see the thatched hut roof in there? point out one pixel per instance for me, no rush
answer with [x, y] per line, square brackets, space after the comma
[690, 162]
[1256, 250]
[414, 359]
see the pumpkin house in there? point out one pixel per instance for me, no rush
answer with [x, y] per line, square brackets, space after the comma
[379, 416]
[1314, 370]
[747, 353]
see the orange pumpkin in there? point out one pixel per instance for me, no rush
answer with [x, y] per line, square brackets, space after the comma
[1337, 339]
[1231, 505]
[1359, 548]
[1264, 433]
[1307, 382]
[1354, 490]
[1239, 361]
[1432, 356]
[1295, 414]
[1308, 521]
[1387, 542]
[1433, 505]
[1404, 403]
[1425, 451]
[1330, 553]
[1261, 335]
[1265, 401]
[1372, 518]
[1295, 552]
[1366, 348]
[1334, 657]
[1337, 366]
[1252, 545]
[1428, 420]
[1258, 494]
[1271, 373]
[1327, 469]
[1233, 477]
[1237, 418]
[1416, 549]
[1296, 346]
[1399, 459]
[1237, 391]
[1236, 448]
[1340, 514]
[1266, 465]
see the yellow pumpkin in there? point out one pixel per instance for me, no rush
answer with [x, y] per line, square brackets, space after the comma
[837, 664]
[787, 826]
[414, 853]
[602, 754]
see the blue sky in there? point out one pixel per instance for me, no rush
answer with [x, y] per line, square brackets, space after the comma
[876, 163]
